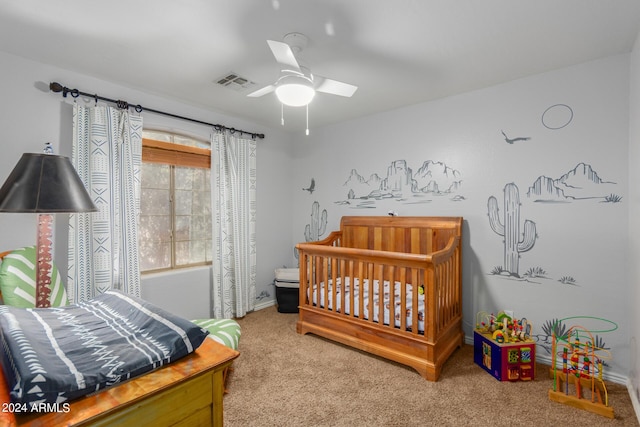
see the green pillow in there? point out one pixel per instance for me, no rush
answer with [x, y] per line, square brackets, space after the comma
[18, 284]
[224, 331]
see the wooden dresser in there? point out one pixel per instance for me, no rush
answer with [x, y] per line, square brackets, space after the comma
[188, 392]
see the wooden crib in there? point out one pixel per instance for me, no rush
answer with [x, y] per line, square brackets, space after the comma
[418, 257]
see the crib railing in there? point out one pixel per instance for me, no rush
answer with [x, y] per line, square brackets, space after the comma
[433, 277]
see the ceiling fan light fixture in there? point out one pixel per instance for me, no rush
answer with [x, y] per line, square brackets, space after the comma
[295, 91]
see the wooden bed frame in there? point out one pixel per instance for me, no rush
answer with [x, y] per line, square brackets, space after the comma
[409, 250]
[185, 393]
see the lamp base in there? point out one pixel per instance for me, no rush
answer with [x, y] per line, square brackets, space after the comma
[44, 261]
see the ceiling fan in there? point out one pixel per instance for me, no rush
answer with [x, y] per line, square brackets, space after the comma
[296, 85]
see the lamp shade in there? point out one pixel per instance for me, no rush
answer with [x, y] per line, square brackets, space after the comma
[295, 90]
[44, 183]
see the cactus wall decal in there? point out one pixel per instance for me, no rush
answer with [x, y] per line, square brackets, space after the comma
[515, 242]
[318, 225]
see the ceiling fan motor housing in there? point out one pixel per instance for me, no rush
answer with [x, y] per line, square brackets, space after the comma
[296, 41]
[295, 90]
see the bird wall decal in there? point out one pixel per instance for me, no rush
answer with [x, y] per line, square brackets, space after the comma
[512, 140]
[311, 187]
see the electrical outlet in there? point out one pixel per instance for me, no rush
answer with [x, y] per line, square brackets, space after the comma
[509, 313]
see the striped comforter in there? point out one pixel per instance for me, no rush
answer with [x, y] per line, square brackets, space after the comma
[52, 355]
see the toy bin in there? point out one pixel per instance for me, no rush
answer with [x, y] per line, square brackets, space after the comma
[287, 284]
[512, 361]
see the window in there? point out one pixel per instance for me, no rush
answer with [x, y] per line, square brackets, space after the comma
[175, 202]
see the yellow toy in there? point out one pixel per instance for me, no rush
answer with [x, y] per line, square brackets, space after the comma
[498, 336]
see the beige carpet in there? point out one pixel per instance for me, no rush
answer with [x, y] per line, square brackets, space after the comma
[285, 379]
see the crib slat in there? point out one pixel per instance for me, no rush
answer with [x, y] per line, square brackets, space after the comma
[351, 275]
[343, 272]
[321, 280]
[334, 275]
[381, 281]
[402, 284]
[377, 241]
[325, 280]
[361, 289]
[366, 288]
[416, 242]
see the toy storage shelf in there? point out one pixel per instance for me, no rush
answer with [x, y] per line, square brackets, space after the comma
[513, 361]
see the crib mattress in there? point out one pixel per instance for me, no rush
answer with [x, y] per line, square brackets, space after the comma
[347, 288]
[52, 355]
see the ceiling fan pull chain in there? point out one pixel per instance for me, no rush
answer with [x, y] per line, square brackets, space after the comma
[307, 132]
[282, 114]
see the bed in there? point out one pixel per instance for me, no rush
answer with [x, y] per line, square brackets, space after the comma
[186, 393]
[113, 359]
[391, 286]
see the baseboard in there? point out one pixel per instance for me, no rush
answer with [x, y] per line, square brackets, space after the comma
[264, 304]
[634, 399]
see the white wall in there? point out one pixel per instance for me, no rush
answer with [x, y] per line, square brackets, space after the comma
[183, 292]
[634, 219]
[581, 239]
[30, 115]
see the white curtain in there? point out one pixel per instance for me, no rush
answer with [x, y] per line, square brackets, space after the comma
[103, 246]
[233, 199]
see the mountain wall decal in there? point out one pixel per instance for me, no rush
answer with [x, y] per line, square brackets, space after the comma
[545, 188]
[581, 182]
[400, 181]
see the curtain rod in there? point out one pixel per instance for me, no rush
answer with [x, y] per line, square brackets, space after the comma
[57, 87]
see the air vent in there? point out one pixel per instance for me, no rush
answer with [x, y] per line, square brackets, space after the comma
[234, 81]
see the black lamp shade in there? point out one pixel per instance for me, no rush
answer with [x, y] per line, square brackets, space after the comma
[44, 183]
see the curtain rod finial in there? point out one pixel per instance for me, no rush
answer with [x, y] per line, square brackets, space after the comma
[55, 87]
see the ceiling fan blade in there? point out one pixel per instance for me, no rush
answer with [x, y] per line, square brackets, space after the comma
[283, 54]
[334, 87]
[263, 91]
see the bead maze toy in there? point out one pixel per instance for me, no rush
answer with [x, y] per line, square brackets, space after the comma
[503, 347]
[503, 328]
[579, 382]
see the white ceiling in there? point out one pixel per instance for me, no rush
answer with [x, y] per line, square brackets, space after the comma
[398, 52]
